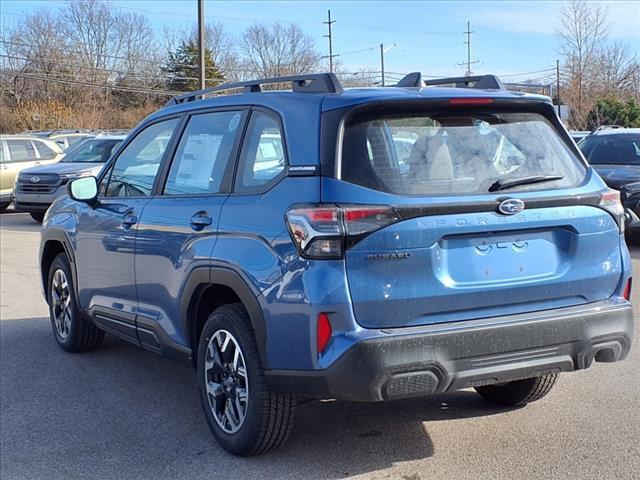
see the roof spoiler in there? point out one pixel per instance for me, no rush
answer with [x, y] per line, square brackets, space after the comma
[308, 83]
[483, 82]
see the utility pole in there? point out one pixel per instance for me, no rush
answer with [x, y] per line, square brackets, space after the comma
[558, 84]
[468, 63]
[329, 22]
[468, 42]
[382, 62]
[201, 42]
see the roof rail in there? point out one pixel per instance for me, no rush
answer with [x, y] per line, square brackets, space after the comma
[308, 83]
[490, 82]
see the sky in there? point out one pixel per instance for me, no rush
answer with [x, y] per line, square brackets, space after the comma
[510, 39]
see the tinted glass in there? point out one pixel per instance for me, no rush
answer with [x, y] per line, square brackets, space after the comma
[46, 153]
[92, 151]
[455, 154]
[203, 154]
[135, 168]
[263, 153]
[21, 150]
[1, 152]
[616, 149]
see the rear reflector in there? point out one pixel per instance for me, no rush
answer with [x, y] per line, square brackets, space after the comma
[470, 101]
[627, 290]
[324, 332]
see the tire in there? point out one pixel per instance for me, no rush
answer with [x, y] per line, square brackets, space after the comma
[73, 331]
[4, 206]
[519, 392]
[37, 216]
[268, 417]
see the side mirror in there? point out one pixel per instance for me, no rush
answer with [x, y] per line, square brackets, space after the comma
[84, 189]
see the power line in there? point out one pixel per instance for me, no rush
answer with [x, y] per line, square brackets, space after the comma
[122, 73]
[88, 84]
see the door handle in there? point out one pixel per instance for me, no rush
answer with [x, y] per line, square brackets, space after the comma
[200, 220]
[129, 219]
[37, 163]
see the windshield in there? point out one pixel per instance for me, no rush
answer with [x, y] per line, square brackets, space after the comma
[613, 149]
[91, 151]
[454, 154]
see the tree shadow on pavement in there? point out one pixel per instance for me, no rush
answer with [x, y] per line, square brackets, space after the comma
[121, 412]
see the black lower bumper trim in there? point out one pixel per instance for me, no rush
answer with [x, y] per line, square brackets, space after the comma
[417, 362]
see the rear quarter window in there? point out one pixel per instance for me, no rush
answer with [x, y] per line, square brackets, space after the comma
[455, 154]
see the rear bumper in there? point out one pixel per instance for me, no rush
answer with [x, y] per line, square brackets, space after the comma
[403, 363]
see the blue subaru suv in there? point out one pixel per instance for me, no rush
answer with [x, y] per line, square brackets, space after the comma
[366, 245]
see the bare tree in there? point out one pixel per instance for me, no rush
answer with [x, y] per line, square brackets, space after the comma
[616, 69]
[583, 32]
[276, 49]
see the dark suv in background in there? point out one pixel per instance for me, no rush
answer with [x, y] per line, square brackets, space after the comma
[291, 243]
[615, 154]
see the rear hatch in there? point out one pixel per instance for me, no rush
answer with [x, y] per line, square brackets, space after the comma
[492, 213]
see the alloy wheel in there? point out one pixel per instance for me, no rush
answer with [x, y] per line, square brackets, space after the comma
[226, 381]
[61, 303]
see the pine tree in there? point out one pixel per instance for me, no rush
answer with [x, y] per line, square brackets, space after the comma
[183, 68]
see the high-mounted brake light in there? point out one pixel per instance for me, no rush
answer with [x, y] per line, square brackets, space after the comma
[470, 101]
[321, 231]
[323, 334]
[610, 201]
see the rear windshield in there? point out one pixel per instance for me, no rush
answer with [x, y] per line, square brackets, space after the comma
[612, 149]
[454, 154]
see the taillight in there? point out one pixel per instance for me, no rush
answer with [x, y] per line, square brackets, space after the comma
[610, 201]
[626, 293]
[323, 334]
[323, 231]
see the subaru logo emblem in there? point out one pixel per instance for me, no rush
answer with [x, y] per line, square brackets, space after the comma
[35, 179]
[511, 206]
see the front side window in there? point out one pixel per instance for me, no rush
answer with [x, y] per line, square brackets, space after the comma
[21, 151]
[135, 168]
[203, 154]
[455, 154]
[612, 149]
[263, 154]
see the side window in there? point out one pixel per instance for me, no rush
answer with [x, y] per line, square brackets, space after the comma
[45, 152]
[21, 151]
[263, 154]
[203, 154]
[135, 168]
[1, 152]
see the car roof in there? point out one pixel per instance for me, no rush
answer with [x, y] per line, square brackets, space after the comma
[108, 136]
[282, 101]
[25, 137]
[616, 131]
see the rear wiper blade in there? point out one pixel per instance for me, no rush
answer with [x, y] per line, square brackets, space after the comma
[504, 184]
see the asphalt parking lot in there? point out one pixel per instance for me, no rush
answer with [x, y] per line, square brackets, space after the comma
[124, 413]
